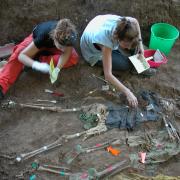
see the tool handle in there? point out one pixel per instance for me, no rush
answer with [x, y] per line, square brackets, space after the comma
[48, 91]
[54, 93]
[58, 94]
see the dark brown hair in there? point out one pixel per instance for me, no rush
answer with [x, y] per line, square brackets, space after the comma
[126, 30]
[64, 33]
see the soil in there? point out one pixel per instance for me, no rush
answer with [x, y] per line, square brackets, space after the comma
[24, 130]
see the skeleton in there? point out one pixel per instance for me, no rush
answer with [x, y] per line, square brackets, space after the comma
[100, 109]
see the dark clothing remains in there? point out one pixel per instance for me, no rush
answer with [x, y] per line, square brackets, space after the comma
[125, 117]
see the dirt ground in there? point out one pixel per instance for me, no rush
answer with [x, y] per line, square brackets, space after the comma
[23, 130]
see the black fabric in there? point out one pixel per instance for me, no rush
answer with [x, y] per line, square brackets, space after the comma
[125, 117]
[152, 100]
[119, 61]
[41, 35]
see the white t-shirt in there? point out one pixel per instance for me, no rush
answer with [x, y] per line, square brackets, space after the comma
[99, 30]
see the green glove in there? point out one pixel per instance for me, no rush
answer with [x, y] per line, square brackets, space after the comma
[54, 74]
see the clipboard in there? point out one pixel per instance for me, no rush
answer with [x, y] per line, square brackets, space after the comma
[139, 62]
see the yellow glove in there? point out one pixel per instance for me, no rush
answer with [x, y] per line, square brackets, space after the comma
[54, 75]
[53, 72]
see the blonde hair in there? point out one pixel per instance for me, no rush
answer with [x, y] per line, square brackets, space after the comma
[64, 33]
[126, 30]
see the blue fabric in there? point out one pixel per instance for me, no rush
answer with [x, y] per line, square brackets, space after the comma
[119, 61]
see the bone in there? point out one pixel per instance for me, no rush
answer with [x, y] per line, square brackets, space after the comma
[50, 108]
[25, 156]
[168, 129]
[57, 143]
[45, 100]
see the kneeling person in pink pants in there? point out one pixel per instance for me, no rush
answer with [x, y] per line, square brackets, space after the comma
[56, 38]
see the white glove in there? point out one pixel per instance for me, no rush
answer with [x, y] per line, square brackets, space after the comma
[42, 67]
[54, 74]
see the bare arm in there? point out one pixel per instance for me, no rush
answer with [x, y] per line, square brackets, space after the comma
[64, 57]
[27, 55]
[107, 66]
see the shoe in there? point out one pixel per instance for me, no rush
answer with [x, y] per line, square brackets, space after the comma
[149, 72]
[1, 94]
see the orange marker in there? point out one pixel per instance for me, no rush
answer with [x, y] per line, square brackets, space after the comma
[113, 151]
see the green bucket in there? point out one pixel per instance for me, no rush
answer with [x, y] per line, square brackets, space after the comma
[163, 36]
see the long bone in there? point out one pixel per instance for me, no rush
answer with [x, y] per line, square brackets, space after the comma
[40, 106]
[57, 143]
[31, 154]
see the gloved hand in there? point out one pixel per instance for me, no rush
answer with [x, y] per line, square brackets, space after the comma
[54, 74]
[42, 67]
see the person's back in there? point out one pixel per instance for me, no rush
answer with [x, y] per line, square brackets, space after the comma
[99, 31]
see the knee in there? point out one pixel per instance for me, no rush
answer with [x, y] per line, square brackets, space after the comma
[74, 57]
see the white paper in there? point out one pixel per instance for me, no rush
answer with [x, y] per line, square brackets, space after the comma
[158, 57]
[139, 63]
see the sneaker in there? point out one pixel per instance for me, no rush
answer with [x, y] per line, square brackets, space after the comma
[149, 72]
[1, 93]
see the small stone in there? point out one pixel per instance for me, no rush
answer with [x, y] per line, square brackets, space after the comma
[18, 159]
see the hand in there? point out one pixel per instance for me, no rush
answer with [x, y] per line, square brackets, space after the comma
[141, 49]
[42, 67]
[131, 99]
[54, 74]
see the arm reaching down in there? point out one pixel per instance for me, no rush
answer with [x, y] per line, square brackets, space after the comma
[62, 61]
[27, 55]
[107, 66]
[64, 57]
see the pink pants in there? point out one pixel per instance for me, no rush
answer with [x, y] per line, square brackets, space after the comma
[13, 68]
